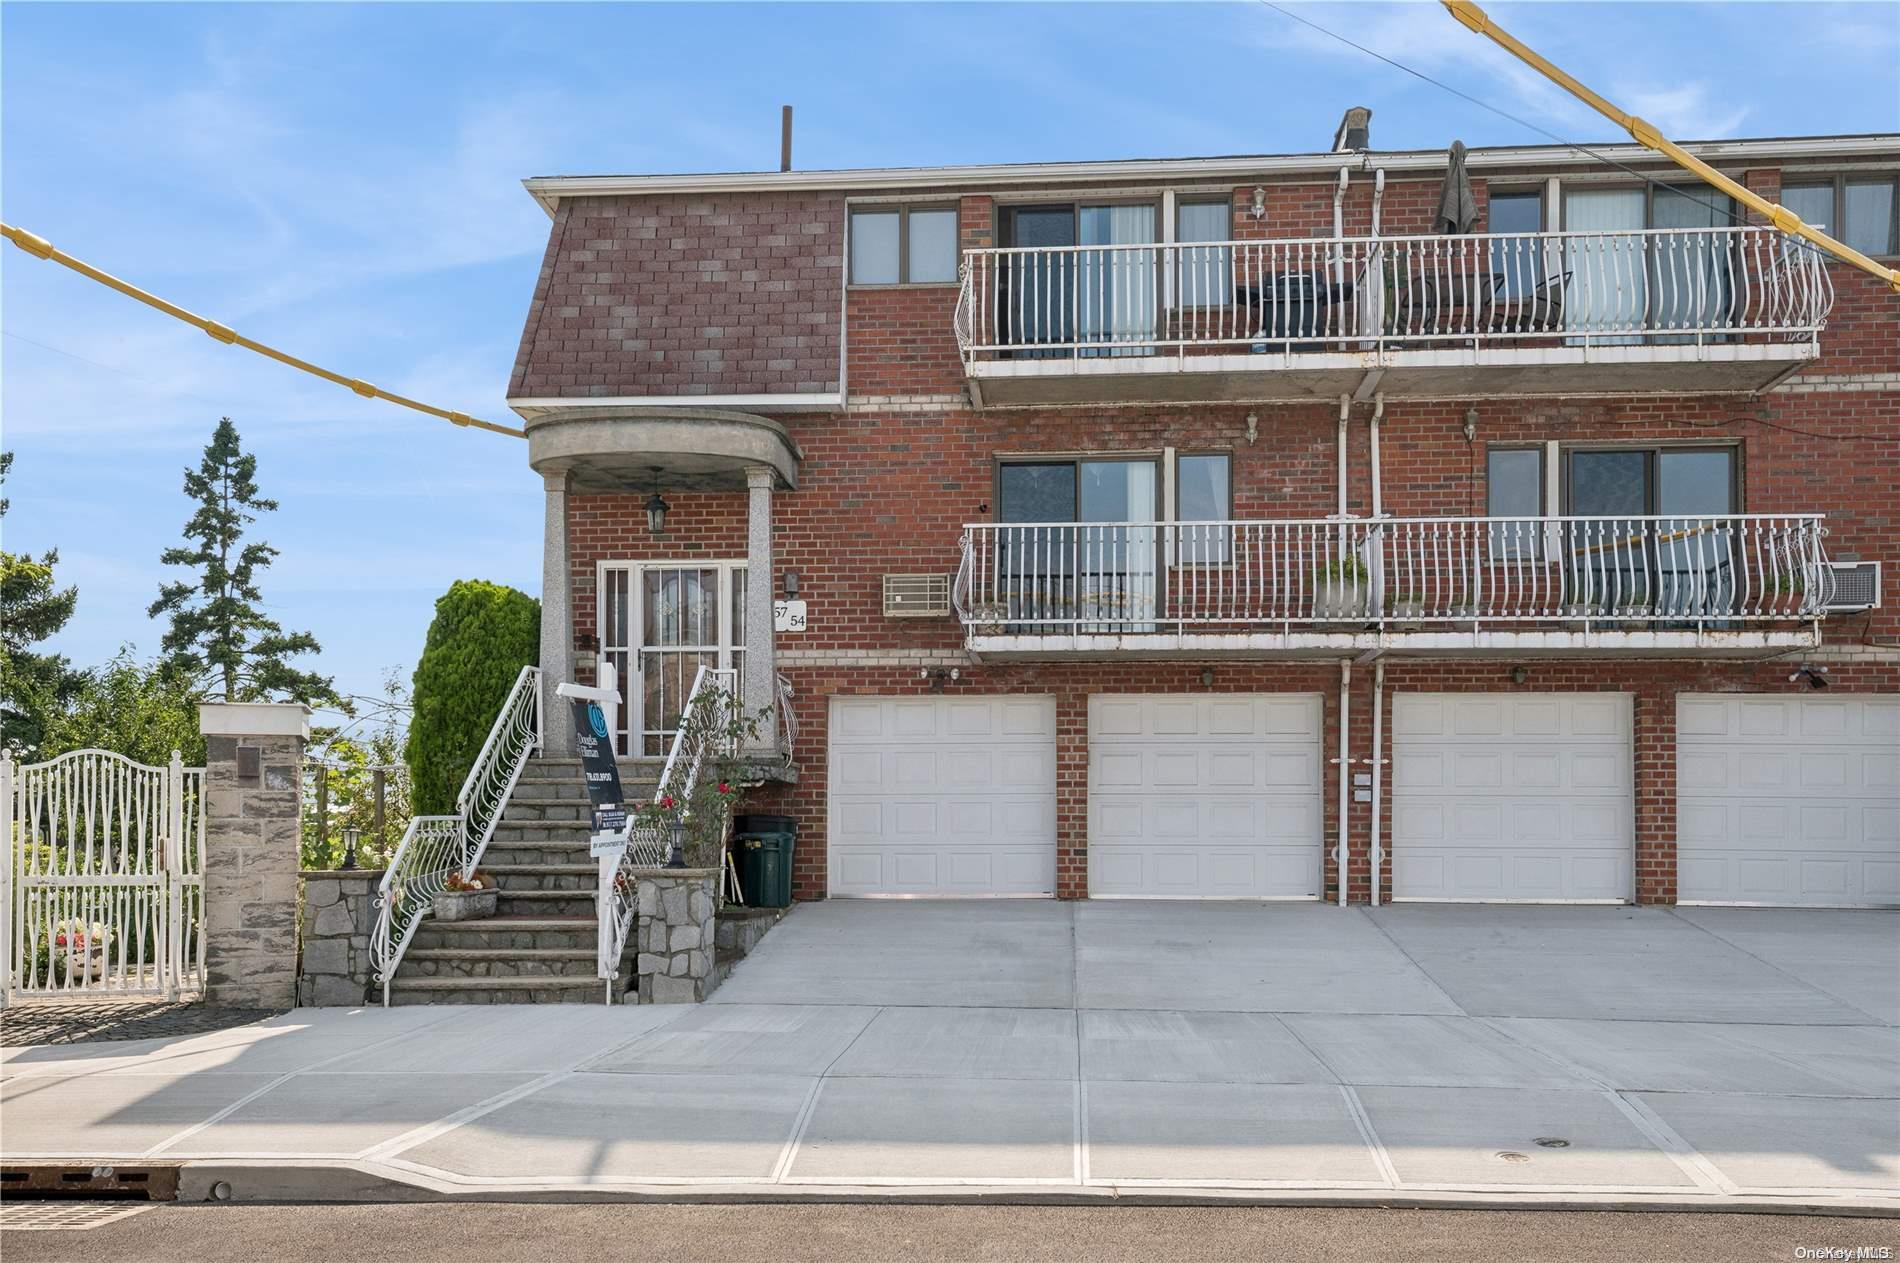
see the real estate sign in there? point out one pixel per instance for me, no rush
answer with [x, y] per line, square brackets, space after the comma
[602, 773]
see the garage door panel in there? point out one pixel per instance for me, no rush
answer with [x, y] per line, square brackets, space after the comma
[1204, 796]
[942, 796]
[1805, 810]
[1518, 796]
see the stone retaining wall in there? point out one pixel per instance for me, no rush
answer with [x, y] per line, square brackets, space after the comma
[675, 934]
[339, 915]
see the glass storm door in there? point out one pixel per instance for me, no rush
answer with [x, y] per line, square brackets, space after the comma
[660, 623]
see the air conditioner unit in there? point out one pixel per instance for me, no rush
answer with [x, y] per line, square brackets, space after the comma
[916, 595]
[1852, 586]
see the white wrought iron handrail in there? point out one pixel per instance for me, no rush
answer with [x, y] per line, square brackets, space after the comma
[787, 719]
[1710, 571]
[1538, 289]
[646, 846]
[434, 846]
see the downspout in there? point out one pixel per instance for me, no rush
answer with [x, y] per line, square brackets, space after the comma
[1345, 410]
[1378, 413]
[1378, 196]
[1339, 244]
[1342, 853]
[1375, 853]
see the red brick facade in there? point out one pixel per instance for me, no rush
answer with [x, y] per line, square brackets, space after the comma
[887, 484]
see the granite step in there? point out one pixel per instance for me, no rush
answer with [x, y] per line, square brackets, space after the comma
[536, 989]
[509, 933]
[456, 962]
[513, 876]
[545, 903]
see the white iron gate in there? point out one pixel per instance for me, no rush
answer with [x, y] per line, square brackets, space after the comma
[104, 876]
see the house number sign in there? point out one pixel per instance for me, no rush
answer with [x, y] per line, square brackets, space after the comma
[788, 616]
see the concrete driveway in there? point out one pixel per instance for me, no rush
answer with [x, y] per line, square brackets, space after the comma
[1431, 1054]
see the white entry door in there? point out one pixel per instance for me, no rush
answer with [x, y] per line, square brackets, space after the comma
[1213, 796]
[943, 796]
[1513, 797]
[1788, 800]
[659, 623]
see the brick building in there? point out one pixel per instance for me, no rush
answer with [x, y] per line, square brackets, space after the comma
[1229, 528]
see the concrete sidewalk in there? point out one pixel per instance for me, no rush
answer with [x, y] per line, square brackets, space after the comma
[1461, 1055]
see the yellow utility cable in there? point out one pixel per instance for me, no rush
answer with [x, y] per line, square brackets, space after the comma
[41, 248]
[1645, 134]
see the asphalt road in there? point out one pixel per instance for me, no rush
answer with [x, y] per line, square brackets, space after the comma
[995, 1234]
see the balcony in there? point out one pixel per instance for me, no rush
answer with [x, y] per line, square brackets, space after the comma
[1701, 310]
[1684, 586]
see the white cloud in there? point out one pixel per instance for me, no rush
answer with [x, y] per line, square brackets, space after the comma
[1686, 112]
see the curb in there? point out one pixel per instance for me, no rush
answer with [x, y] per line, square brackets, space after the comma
[349, 1181]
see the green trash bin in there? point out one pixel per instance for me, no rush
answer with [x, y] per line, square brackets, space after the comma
[764, 847]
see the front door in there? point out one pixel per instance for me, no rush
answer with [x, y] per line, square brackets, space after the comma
[660, 622]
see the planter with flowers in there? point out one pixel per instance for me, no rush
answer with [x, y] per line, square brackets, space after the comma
[467, 898]
[79, 950]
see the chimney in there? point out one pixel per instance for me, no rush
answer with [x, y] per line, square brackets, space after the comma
[785, 139]
[1354, 130]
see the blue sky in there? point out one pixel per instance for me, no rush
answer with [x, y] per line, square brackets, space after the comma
[343, 181]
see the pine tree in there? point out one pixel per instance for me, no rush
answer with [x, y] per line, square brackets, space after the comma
[33, 686]
[218, 632]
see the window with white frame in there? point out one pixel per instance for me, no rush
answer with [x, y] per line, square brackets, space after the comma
[1205, 272]
[1857, 210]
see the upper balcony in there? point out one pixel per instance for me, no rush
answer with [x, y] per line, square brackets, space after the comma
[1736, 584]
[1696, 310]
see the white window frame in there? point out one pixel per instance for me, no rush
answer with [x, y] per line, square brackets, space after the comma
[632, 717]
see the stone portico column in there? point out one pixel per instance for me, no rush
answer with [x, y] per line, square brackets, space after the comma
[557, 616]
[758, 686]
[253, 815]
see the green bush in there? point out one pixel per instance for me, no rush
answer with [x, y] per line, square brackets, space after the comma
[482, 635]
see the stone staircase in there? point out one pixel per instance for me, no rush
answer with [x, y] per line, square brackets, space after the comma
[539, 947]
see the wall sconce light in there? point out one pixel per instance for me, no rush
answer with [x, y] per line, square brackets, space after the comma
[656, 506]
[1520, 674]
[938, 677]
[790, 581]
[1253, 427]
[1259, 208]
[1815, 676]
[1471, 424]
[1207, 676]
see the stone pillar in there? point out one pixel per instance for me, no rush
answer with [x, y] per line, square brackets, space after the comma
[253, 814]
[339, 915]
[557, 616]
[758, 687]
[676, 909]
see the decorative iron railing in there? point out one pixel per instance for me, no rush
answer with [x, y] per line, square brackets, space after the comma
[1543, 289]
[1710, 572]
[703, 725]
[434, 846]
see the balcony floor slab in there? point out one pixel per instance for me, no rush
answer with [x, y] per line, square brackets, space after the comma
[1442, 372]
[1066, 646]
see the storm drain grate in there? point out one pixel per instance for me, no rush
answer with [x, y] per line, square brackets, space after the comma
[58, 1216]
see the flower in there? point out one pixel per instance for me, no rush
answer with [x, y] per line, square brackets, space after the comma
[724, 788]
[667, 801]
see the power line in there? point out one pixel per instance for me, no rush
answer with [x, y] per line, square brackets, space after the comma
[1545, 132]
[40, 248]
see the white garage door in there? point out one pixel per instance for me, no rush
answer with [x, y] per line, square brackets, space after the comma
[1512, 796]
[1205, 796]
[1788, 800]
[943, 796]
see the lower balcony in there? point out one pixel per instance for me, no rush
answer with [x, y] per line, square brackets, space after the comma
[1730, 584]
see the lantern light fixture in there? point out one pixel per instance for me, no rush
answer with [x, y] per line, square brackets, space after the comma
[657, 506]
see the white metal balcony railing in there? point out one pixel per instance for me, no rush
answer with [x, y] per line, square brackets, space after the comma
[1710, 573]
[1681, 285]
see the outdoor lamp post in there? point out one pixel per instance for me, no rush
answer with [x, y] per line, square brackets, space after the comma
[676, 846]
[349, 850]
